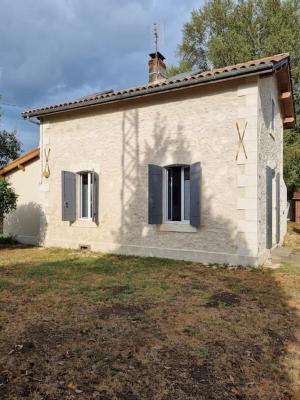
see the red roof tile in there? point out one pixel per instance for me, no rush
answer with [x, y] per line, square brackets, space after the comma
[158, 86]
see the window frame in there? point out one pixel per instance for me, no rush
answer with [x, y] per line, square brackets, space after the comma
[90, 195]
[166, 192]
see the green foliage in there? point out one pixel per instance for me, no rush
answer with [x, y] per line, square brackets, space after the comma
[10, 147]
[202, 351]
[8, 198]
[183, 66]
[291, 155]
[7, 240]
[224, 32]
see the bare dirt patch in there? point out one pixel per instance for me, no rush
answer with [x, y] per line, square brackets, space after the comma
[121, 310]
[223, 298]
[111, 327]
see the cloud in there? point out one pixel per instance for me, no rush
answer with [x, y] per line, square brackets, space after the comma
[54, 50]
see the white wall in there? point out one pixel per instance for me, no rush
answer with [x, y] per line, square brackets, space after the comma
[270, 154]
[24, 222]
[119, 141]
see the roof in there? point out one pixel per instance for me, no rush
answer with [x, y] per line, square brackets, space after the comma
[20, 162]
[194, 78]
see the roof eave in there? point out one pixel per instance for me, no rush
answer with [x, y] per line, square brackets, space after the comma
[194, 82]
[289, 121]
[20, 162]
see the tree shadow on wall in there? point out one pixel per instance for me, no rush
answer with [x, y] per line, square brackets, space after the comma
[197, 333]
[168, 146]
[242, 336]
[27, 224]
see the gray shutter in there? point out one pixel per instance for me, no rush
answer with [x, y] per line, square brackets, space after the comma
[278, 208]
[68, 182]
[195, 193]
[269, 178]
[95, 195]
[154, 194]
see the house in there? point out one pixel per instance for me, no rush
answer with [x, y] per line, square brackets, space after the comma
[24, 175]
[188, 167]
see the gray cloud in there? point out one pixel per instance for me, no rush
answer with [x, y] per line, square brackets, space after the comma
[54, 50]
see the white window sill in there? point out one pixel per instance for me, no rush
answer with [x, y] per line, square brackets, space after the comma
[84, 223]
[179, 227]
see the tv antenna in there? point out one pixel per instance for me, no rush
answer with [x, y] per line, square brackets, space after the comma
[155, 33]
[156, 36]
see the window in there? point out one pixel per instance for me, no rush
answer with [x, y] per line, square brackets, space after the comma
[177, 188]
[80, 195]
[273, 116]
[86, 195]
[174, 194]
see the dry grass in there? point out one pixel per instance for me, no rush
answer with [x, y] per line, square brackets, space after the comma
[90, 326]
[292, 238]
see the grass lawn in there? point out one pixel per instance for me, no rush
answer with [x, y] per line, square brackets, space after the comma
[88, 326]
[292, 238]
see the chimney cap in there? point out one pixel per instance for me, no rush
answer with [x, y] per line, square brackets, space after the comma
[157, 55]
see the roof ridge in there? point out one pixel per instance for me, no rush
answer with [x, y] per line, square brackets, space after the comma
[161, 83]
[256, 60]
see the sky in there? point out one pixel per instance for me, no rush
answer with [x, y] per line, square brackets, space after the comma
[58, 50]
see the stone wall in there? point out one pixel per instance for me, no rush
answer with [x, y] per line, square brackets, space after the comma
[119, 140]
[270, 148]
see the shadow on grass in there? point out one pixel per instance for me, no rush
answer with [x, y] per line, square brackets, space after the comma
[162, 329]
[14, 245]
[96, 277]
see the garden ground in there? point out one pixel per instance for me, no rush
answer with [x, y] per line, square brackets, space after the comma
[79, 325]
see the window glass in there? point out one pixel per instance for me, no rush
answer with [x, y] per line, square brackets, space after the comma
[91, 195]
[86, 195]
[178, 193]
[273, 116]
[169, 189]
[187, 194]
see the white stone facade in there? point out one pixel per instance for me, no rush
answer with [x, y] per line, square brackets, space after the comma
[118, 141]
[270, 147]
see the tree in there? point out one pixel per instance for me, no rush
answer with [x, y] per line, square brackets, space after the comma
[291, 156]
[10, 147]
[8, 198]
[225, 32]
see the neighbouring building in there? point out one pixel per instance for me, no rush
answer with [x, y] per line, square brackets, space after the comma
[296, 206]
[187, 167]
[24, 174]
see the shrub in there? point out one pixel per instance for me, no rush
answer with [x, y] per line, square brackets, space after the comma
[8, 198]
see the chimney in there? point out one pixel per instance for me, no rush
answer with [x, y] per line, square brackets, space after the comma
[157, 67]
